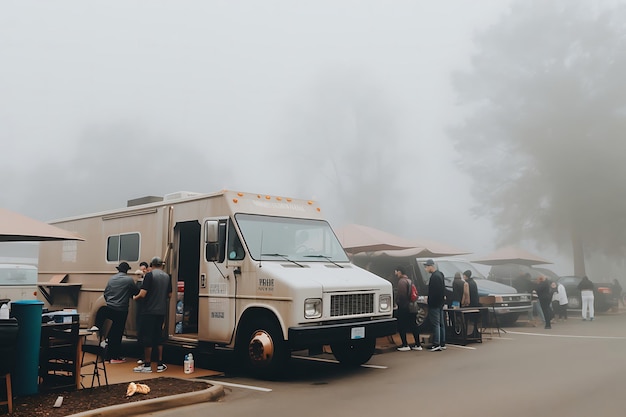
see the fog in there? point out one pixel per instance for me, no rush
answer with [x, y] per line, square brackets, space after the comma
[346, 102]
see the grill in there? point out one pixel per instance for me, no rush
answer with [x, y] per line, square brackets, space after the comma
[350, 304]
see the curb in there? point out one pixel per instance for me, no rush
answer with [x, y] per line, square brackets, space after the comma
[213, 393]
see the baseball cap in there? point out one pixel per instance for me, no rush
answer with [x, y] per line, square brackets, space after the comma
[156, 261]
[429, 262]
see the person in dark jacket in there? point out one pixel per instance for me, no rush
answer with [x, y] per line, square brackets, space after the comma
[586, 288]
[406, 319]
[545, 298]
[473, 289]
[436, 300]
[117, 293]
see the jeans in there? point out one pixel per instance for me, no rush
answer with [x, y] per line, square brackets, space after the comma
[406, 323]
[439, 325]
[536, 310]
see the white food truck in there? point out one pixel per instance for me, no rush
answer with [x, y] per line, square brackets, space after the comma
[263, 275]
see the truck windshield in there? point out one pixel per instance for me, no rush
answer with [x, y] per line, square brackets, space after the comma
[297, 240]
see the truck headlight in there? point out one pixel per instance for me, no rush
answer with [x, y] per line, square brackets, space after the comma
[312, 308]
[384, 303]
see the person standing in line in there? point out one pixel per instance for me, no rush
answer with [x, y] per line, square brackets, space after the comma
[554, 300]
[586, 288]
[117, 293]
[536, 308]
[545, 297]
[155, 292]
[144, 268]
[406, 319]
[563, 302]
[460, 292]
[436, 300]
[474, 299]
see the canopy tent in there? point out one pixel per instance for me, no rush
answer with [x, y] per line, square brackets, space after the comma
[433, 249]
[356, 238]
[16, 227]
[511, 255]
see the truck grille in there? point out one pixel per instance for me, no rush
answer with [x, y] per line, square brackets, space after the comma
[350, 304]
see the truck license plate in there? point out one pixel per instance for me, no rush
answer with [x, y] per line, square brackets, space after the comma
[357, 333]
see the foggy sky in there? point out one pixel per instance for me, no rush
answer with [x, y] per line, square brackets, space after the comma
[102, 102]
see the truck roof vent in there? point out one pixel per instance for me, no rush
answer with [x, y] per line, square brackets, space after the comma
[143, 200]
[179, 194]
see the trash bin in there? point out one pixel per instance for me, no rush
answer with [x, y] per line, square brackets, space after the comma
[28, 315]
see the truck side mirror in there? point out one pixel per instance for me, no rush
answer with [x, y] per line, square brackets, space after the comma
[215, 240]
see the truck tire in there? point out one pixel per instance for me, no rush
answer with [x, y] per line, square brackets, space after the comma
[352, 353]
[262, 349]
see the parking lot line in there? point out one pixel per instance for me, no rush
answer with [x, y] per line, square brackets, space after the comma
[229, 384]
[573, 336]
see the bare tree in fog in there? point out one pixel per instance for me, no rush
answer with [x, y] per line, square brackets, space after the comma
[347, 153]
[111, 164]
[544, 137]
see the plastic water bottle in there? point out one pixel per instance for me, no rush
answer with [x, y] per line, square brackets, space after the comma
[4, 312]
[188, 364]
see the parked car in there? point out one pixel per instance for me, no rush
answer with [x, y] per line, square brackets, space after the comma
[509, 303]
[515, 275]
[604, 298]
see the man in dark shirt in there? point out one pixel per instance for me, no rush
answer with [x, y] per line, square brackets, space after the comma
[118, 291]
[155, 292]
[545, 298]
[436, 299]
[473, 289]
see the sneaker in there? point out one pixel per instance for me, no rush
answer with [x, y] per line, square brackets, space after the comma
[146, 369]
[139, 362]
[444, 347]
[162, 367]
[435, 348]
[404, 348]
[591, 319]
[117, 360]
[416, 347]
[584, 319]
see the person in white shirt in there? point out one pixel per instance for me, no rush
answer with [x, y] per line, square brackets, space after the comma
[559, 301]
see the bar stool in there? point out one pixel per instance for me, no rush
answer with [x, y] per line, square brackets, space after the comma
[97, 348]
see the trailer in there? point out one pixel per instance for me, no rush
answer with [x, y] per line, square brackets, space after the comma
[260, 274]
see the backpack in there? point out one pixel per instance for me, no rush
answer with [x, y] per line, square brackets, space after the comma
[413, 293]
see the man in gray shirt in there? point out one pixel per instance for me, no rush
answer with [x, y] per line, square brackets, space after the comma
[118, 291]
[155, 293]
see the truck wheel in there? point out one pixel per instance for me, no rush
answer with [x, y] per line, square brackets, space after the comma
[354, 353]
[261, 348]
[422, 314]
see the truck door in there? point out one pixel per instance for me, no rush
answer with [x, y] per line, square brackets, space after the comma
[218, 283]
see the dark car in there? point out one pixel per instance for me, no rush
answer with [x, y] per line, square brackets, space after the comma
[604, 299]
[521, 277]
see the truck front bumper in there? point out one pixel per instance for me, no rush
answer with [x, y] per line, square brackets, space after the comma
[324, 334]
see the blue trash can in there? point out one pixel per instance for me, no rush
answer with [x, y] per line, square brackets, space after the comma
[28, 315]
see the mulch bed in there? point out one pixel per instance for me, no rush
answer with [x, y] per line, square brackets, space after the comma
[77, 401]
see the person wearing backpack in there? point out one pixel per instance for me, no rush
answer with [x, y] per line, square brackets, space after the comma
[406, 319]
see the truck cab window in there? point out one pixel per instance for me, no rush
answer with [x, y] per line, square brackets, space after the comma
[235, 248]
